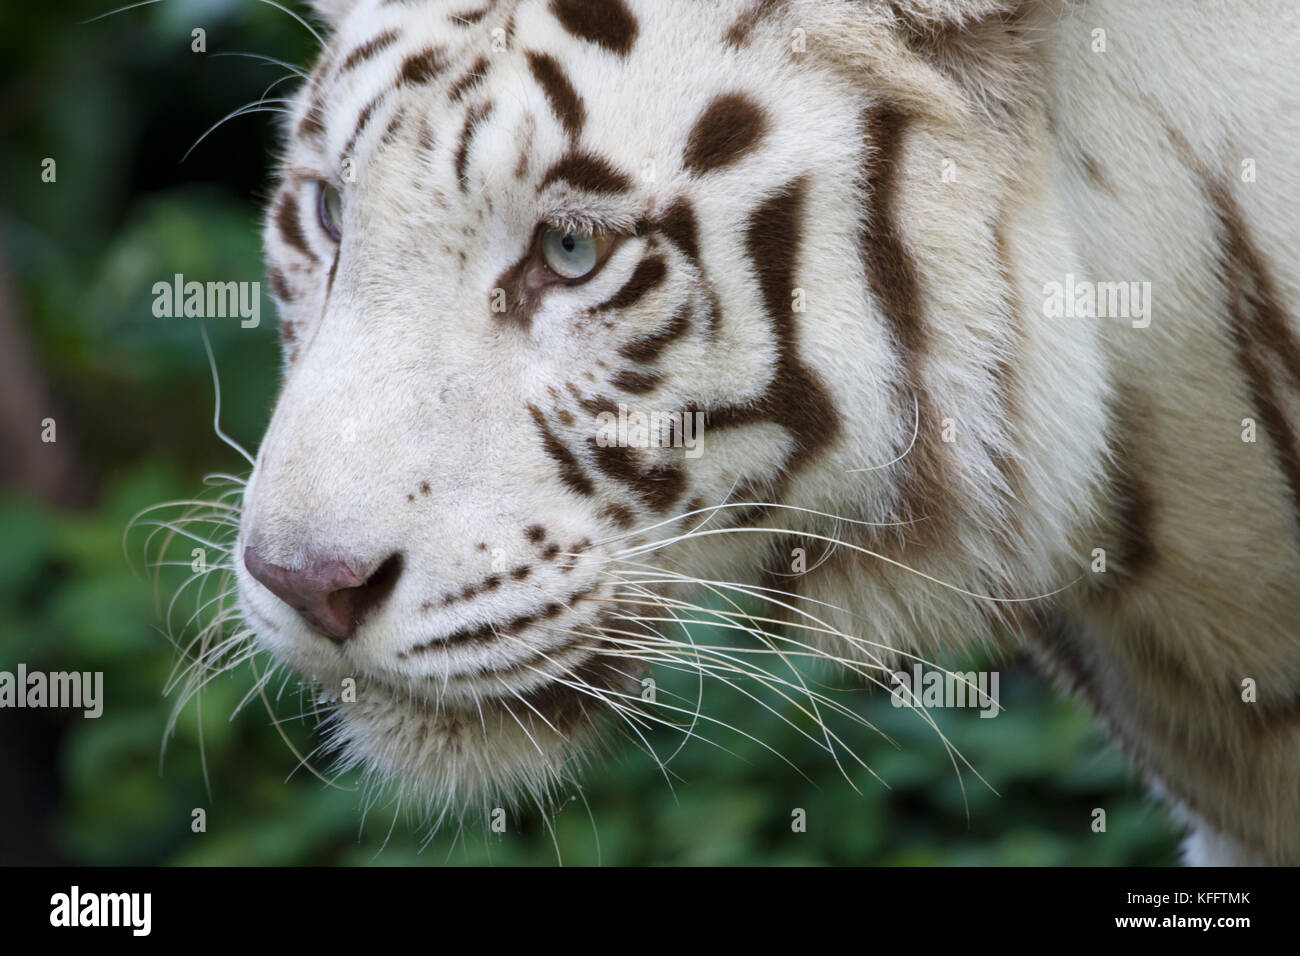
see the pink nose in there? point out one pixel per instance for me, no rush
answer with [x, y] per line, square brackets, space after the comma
[328, 595]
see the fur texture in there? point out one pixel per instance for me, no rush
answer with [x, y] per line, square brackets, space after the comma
[835, 226]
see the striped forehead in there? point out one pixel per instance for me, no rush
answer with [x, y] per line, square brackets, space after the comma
[441, 51]
[440, 60]
[381, 58]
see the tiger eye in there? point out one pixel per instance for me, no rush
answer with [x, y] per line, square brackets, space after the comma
[571, 255]
[329, 208]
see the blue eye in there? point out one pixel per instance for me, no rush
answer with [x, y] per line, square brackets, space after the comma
[329, 207]
[571, 255]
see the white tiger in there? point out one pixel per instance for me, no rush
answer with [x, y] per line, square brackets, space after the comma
[859, 239]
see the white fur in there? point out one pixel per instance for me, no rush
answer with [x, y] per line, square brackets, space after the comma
[402, 375]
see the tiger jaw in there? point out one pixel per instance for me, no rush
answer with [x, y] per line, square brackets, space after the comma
[459, 753]
[457, 725]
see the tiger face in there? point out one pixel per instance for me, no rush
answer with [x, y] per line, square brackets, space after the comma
[585, 301]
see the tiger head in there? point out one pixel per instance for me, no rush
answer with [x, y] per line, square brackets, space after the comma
[585, 302]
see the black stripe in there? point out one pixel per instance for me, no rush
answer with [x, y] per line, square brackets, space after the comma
[894, 283]
[369, 49]
[607, 23]
[645, 278]
[362, 119]
[423, 66]
[585, 171]
[564, 99]
[731, 126]
[647, 349]
[471, 78]
[473, 118]
[571, 472]
[288, 221]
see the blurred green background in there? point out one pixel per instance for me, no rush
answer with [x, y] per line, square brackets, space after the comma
[116, 103]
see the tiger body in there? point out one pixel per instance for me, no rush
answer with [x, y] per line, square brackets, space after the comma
[829, 229]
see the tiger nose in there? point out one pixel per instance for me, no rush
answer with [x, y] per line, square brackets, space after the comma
[331, 597]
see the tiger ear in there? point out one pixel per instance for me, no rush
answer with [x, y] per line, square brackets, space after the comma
[946, 59]
[333, 12]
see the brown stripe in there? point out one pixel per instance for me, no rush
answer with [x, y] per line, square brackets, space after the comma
[620, 515]
[1256, 292]
[519, 304]
[738, 33]
[645, 278]
[1095, 174]
[279, 284]
[472, 17]
[487, 634]
[312, 124]
[1258, 322]
[1260, 329]
[422, 67]
[366, 113]
[594, 406]
[564, 99]
[892, 275]
[525, 139]
[289, 337]
[369, 49]
[647, 349]
[475, 75]
[1133, 504]
[679, 226]
[607, 23]
[796, 398]
[638, 383]
[571, 472]
[289, 223]
[425, 135]
[659, 485]
[476, 114]
[393, 128]
[1006, 383]
[731, 125]
[1065, 651]
[585, 171]
[772, 238]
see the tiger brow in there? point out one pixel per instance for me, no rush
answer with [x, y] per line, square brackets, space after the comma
[598, 215]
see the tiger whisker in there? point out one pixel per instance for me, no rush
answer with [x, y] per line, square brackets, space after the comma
[829, 540]
[954, 753]
[302, 74]
[763, 677]
[766, 639]
[645, 652]
[259, 106]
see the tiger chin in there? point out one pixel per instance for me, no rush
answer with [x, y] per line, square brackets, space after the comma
[829, 229]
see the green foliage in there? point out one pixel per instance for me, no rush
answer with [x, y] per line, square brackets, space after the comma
[117, 102]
